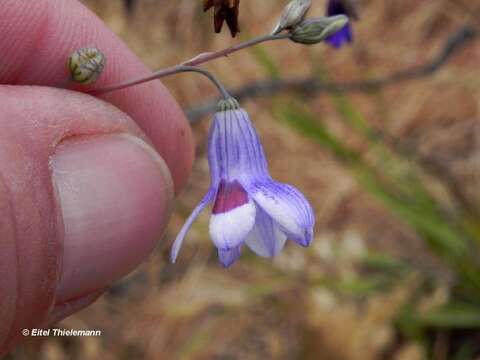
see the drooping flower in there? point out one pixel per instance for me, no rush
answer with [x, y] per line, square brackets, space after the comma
[342, 7]
[249, 207]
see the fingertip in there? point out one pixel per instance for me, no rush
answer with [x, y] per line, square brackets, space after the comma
[115, 195]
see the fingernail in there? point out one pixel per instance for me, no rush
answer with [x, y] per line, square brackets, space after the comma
[114, 192]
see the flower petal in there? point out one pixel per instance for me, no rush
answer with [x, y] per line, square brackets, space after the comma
[341, 37]
[234, 150]
[229, 229]
[228, 257]
[266, 239]
[288, 207]
[342, 7]
[188, 223]
[233, 215]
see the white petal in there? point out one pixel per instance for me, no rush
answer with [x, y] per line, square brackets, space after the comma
[188, 223]
[229, 229]
[266, 239]
[287, 207]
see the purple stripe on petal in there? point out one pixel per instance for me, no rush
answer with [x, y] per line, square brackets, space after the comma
[228, 257]
[260, 153]
[218, 146]
[230, 195]
[188, 223]
[235, 151]
[249, 153]
[226, 138]
[266, 239]
[230, 145]
[287, 207]
[214, 149]
[256, 163]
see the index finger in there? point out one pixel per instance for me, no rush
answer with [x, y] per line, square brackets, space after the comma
[39, 36]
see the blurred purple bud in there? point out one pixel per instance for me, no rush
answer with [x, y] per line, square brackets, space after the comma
[342, 7]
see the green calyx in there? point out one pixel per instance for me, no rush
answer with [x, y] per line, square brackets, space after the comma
[313, 31]
[228, 104]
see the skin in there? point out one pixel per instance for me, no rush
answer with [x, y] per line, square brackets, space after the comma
[86, 184]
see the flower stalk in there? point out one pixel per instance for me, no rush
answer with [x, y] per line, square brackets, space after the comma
[190, 64]
[301, 31]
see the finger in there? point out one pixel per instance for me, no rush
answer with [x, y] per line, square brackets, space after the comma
[83, 200]
[37, 39]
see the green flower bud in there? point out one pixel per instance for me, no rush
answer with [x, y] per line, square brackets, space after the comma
[313, 31]
[86, 65]
[293, 14]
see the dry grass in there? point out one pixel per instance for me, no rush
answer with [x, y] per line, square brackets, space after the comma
[281, 309]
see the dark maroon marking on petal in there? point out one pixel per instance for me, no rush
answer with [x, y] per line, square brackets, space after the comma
[230, 195]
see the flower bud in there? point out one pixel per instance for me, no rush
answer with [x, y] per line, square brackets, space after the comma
[293, 14]
[313, 31]
[86, 65]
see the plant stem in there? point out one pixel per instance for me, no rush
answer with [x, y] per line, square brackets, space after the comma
[190, 65]
[177, 69]
[209, 75]
[203, 58]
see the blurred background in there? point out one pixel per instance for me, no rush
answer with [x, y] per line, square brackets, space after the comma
[382, 136]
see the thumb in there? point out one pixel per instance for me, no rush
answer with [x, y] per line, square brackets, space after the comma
[83, 200]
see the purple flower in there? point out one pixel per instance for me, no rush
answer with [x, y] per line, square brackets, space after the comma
[344, 35]
[249, 207]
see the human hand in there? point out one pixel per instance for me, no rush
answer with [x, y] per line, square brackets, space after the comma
[86, 185]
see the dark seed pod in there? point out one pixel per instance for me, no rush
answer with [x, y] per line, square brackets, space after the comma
[86, 65]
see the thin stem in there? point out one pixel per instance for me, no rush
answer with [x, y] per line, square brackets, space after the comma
[209, 75]
[189, 65]
[203, 58]
[177, 69]
[157, 75]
